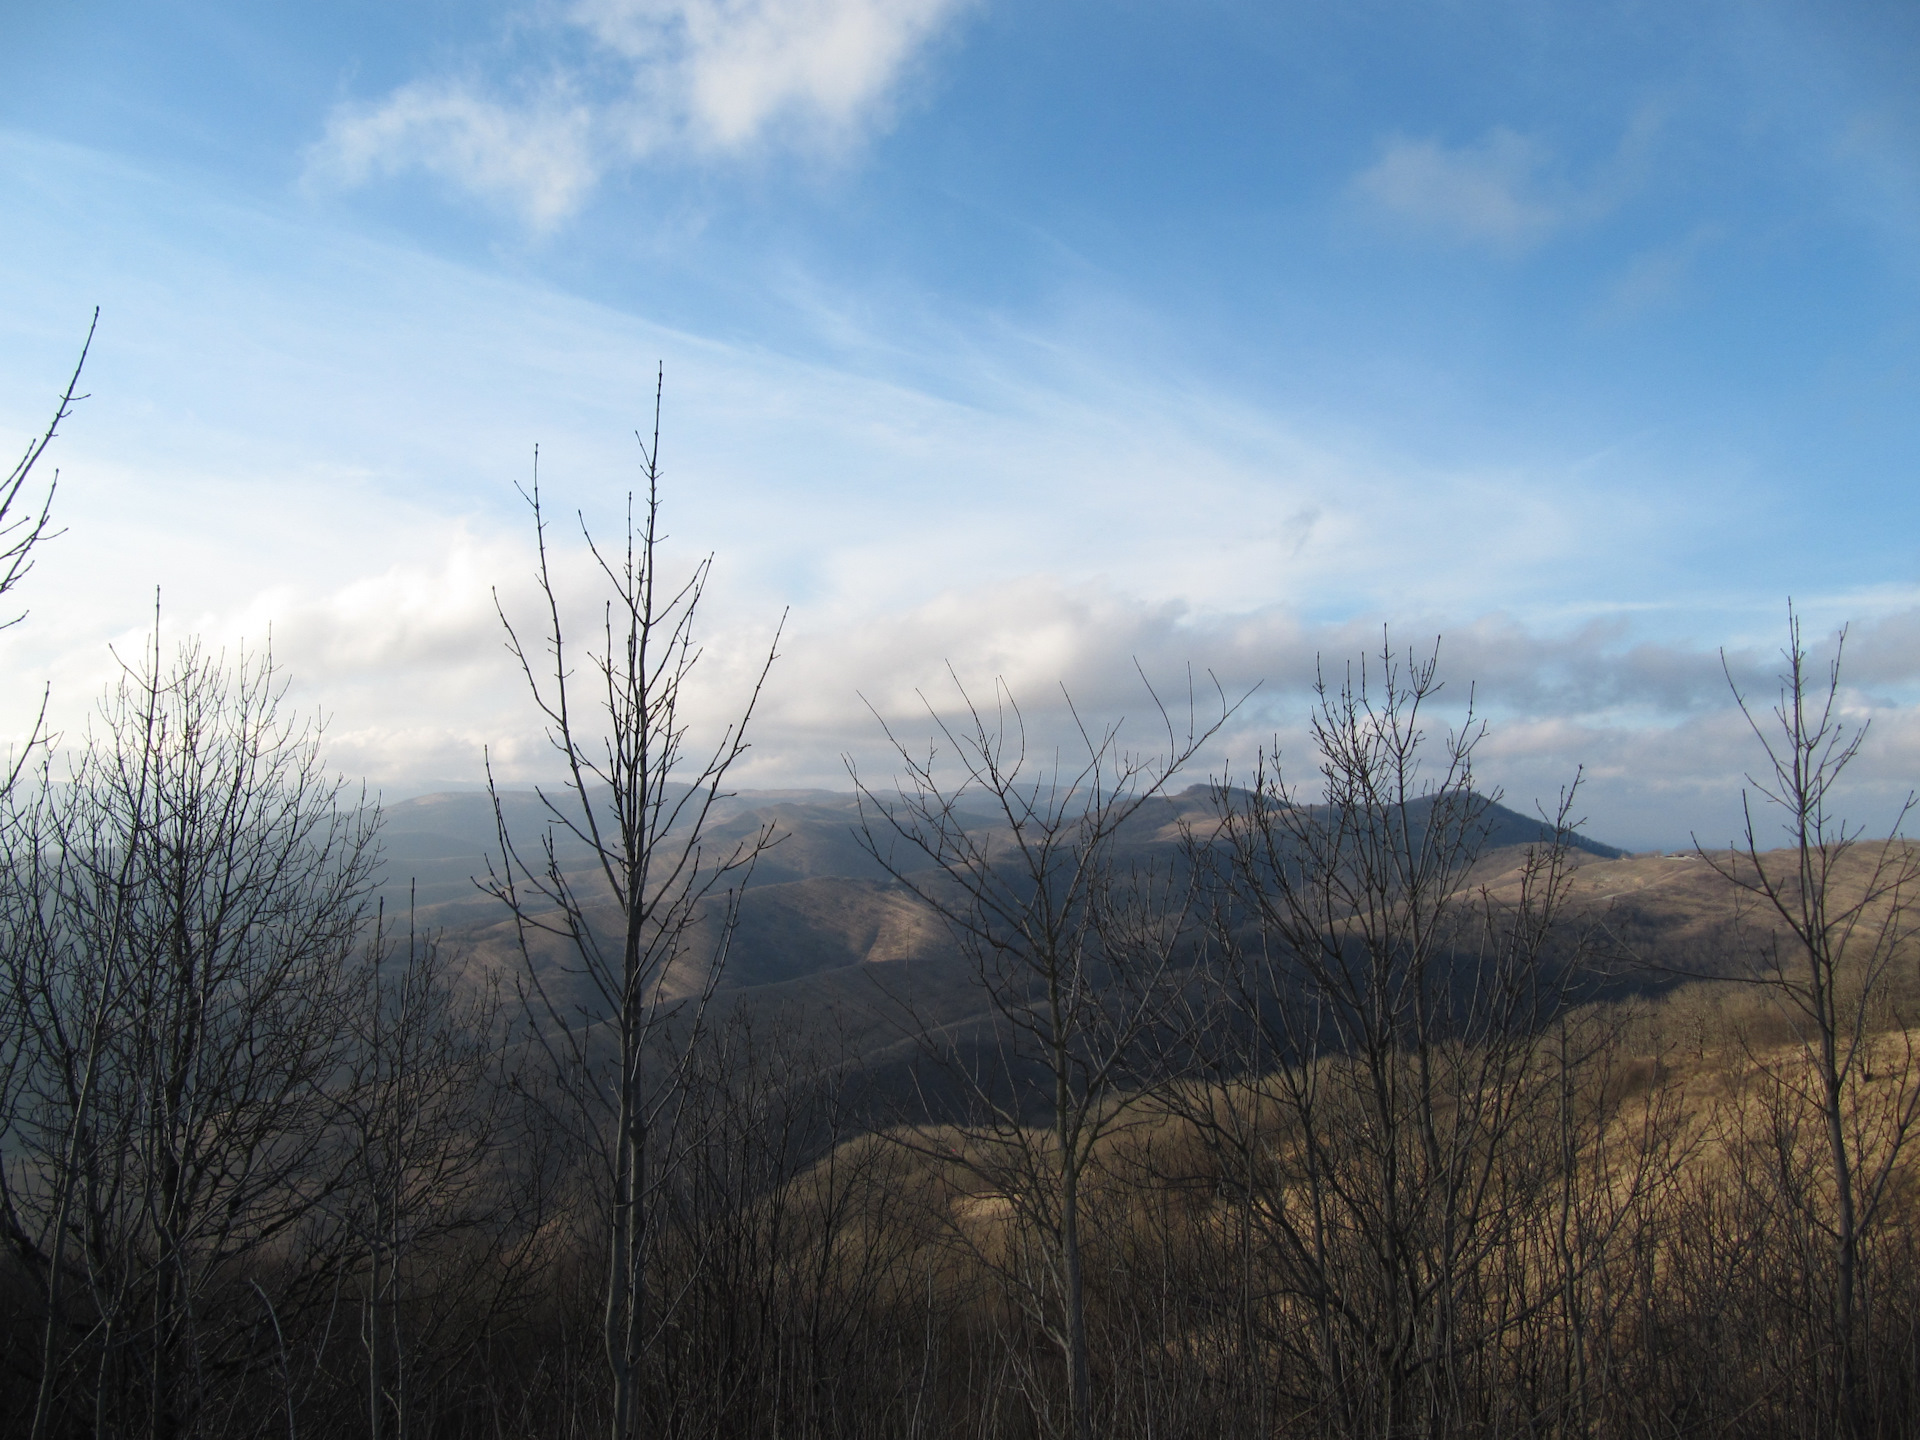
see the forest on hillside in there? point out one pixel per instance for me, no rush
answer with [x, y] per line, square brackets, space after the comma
[1330, 1105]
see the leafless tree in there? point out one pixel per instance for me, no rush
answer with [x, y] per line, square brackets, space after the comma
[65, 973]
[183, 915]
[443, 1201]
[25, 514]
[642, 921]
[24, 522]
[786, 1241]
[1071, 941]
[1383, 1058]
[1838, 917]
[25, 510]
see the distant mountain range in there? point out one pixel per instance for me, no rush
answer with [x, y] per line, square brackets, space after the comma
[828, 940]
[819, 901]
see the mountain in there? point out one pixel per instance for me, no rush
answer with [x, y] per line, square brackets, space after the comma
[833, 949]
[816, 903]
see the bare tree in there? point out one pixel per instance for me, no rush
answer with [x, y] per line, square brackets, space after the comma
[23, 525]
[1384, 1059]
[1071, 942]
[25, 513]
[442, 1171]
[786, 1240]
[65, 975]
[1838, 917]
[641, 919]
[184, 912]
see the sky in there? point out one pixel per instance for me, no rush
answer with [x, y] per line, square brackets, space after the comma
[1072, 347]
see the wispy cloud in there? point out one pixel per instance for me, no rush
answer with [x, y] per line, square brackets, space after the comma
[326, 451]
[1658, 276]
[536, 157]
[1491, 191]
[1507, 190]
[611, 82]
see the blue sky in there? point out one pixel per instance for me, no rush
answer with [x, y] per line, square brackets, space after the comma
[1034, 338]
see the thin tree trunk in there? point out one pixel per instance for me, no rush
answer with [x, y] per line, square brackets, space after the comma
[1846, 1246]
[624, 1263]
[1079, 1370]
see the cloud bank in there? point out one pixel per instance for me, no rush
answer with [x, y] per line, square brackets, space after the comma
[1650, 728]
[409, 665]
[620, 81]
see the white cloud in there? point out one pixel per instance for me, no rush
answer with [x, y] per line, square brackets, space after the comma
[536, 158]
[723, 73]
[1653, 725]
[657, 77]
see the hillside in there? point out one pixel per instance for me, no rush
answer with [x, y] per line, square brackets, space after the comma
[817, 901]
[831, 943]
